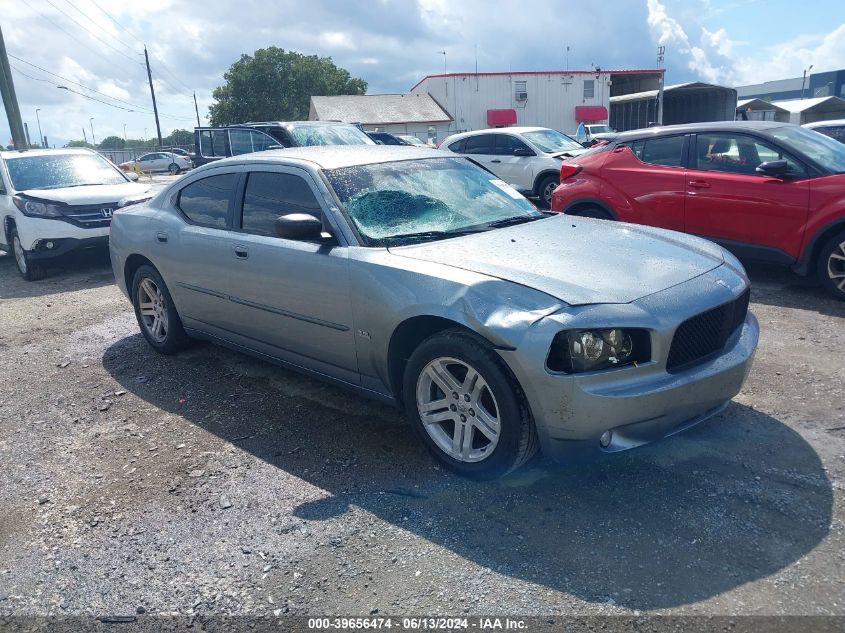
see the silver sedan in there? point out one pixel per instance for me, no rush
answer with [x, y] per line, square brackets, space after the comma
[417, 277]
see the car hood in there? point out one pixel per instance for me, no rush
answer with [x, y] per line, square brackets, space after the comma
[89, 194]
[569, 153]
[577, 260]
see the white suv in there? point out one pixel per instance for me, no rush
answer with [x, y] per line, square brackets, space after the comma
[56, 201]
[528, 158]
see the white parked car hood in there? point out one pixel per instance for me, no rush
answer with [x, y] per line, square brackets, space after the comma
[89, 194]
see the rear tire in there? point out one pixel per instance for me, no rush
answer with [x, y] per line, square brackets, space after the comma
[545, 189]
[593, 212]
[831, 266]
[29, 268]
[173, 169]
[156, 314]
[477, 420]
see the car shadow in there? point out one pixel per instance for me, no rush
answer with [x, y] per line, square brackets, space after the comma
[729, 502]
[779, 286]
[74, 271]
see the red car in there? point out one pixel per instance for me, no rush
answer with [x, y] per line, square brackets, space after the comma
[766, 191]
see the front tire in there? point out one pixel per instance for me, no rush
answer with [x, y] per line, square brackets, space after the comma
[467, 406]
[156, 314]
[545, 190]
[30, 269]
[831, 266]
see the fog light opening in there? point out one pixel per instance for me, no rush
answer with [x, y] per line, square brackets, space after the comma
[606, 438]
[49, 245]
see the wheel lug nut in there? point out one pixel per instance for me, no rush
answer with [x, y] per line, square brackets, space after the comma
[472, 412]
[455, 395]
[453, 407]
[466, 397]
[463, 418]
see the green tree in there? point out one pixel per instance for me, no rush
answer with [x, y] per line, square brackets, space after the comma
[179, 137]
[112, 142]
[274, 84]
[79, 144]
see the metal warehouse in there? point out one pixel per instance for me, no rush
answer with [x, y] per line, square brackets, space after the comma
[682, 103]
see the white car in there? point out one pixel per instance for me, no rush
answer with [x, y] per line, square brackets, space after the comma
[158, 162]
[835, 129]
[527, 158]
[590, 132]
[56, 201]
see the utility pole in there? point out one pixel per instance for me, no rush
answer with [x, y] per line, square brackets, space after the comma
[10, 99]
[26, 133]
[84, 135]
[40, 133]
[153, 94]
[661, 52]
[93, 139]
[804, 80]
[196, 107]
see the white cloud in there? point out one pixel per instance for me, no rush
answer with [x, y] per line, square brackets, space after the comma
[337, 39]
[113, 90]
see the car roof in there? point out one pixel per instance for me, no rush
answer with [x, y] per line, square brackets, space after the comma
[498, 130]
[333, 156]
[12, 154]
[816, 124]
[292, 123]
[689, 128]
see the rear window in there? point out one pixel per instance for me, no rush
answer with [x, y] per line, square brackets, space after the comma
[206, 201]
[665, 150]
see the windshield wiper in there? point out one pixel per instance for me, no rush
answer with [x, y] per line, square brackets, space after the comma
[517, 219]
[423, 235]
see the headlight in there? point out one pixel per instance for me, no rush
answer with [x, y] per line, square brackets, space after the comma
[579, 351]
[38, 209]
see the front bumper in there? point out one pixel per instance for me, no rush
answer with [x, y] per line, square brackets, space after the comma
[636, 404]
[45, 248]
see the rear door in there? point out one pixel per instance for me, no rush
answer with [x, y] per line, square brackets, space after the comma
[643, 181]
[480, 149]
[729, 201]
[514, 170]
[293, 296]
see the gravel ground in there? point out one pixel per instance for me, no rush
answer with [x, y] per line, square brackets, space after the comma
[212, 483]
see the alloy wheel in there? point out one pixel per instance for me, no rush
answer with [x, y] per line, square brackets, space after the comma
[548, 190]
[836, 267]
[153, 310]
[458, 410]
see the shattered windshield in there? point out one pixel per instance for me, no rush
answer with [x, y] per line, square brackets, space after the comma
[308, 135]
[435, 198]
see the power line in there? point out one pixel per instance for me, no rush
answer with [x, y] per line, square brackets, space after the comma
[81, 94]
[94, 35]
[139, 40]
[140, 109]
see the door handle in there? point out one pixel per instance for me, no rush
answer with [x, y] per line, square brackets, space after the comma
[161, 237]
[240, 252]
[699, 184]
[495, 160]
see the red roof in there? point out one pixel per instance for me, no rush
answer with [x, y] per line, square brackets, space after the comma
[544, 72]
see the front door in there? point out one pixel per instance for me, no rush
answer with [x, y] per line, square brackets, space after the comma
[291, 296]
[729, 201]
[517, 171]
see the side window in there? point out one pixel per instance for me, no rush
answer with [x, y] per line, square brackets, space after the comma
[506, 144]
[834, 131]
[269, 195]
[458, 146]
[737, 154]
[212, 143]
[666, 150]
[206, 201]
[247, 141]
[480, 144]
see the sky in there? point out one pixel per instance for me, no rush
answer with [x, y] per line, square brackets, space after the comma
[95, 47]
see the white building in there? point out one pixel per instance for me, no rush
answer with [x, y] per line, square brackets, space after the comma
[415, 114]
[555, 99]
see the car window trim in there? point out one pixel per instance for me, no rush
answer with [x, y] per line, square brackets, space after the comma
[684, 155]
[240, 197]
[491, 145]
[693, 154]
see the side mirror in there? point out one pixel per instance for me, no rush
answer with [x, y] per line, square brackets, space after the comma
[131, 175]
[773, 168]
[523, 151]
[299, 226]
